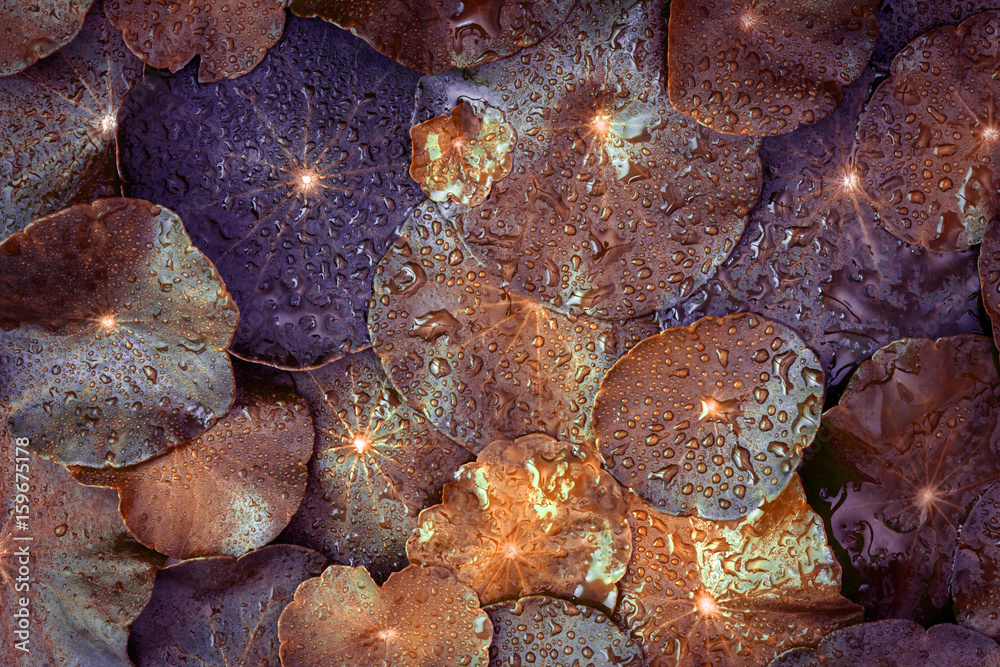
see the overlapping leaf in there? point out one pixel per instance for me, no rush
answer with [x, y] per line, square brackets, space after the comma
[902, 21]
[229, 491]
[814, 258]
[30, 31]
[421, 617]
[437, 35]
[913, 441]
[377, 463]
[929, 140]
[712, 593]
[58, 120]
[765, 68]
[529, 517]
[710, 419]
[977, 566]
[292, 179]
[221, 611]
[989, 276]
[113, 337]
[231, 36]
[616, 204]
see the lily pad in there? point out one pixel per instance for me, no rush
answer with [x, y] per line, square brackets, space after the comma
[292, 179]
[65, 550]
[556, 633]
[437, 35]
[421, 617]
[916, 438]
[814, 257]
[929, 140]
[989, 276]
[113, 334]
[710, 419]
[712, 593]
[377, 463]
[529, 517]
[896, 643]
[221, 611]
[480, 360]
[616, 204]
[457, 156]
[58, 120]
[231, 36]
[229, 491]
[30, 31]
[977, 567]
[765, 68]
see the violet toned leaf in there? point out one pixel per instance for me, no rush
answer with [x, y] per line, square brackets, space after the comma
[814, 257]
[217, 612]
[30, 31]
[616, 204]
[292, 179]
[989, 276]
[113, 334]
[377, 462]
[976, 570]
[57, 124]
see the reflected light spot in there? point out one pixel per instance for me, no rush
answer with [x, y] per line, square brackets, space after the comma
[850, 180]
[990, 133]
[601, 125]
[108, 124]
[458, 143]
[749, 20]
[386, 635]
[927, 496]
[705, 604]
[307, 180]
[361, 444]
[107, 322]
[709, 408]
[510, 550]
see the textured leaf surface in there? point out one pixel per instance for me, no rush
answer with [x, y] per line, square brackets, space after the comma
[227, 492]
[977, 567]
[989, 276]
[710, 419]
[736, 594]
[916, 434]
[377, 463]
[481, 361]
[814, 257]
[57, 124]
[30, 31]
[765, 68]
[218, 612]
[529, 517]
[421, 617]
[616, 204]
[114, 334]
[292, 179]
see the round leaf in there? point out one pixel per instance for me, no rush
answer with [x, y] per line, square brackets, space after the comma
[30, 31]
[977, 567]
[989, 276]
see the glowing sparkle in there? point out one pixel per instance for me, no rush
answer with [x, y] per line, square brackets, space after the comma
[458, 143]
[709, 408]
[601, 124]
[927, 496]
[386, 635]
[749, 20]
[109, 123]
[850, 181]
[510, 550]
[307, 181]
[990, 133]
[361, 444]
[705, 604]
[107, 322]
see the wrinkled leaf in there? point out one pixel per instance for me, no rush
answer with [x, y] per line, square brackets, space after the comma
[221, 611]
[30, 31]
[57, 124]
[292, 179]
[528, 517]
[481, 361]
[902, 21]
[113, 331]
[377, 463]
[229, 491]
[421, 617]
[712, 593]
[616, 204]
[989, 276]
[916, 434]
[710, 419]
[977, 567]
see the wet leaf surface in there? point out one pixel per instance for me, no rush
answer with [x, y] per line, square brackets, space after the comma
[88, 579]
[616, 204]
[230, 36]
[539, 630]
[977, 567]
[223, 611]
[377, 463]
[710, 419]
[730, 593]
[421, 617]
[113, 331]
[457, 156]
[989, 275]
[814, 257]
[528, 517]
[292, 179]
[30, 31]
[481, 361]
[765, 68]
[57, 123]
[913, 441]
[897, 643]
[929, 139]
[437, 35]
[229, 491]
